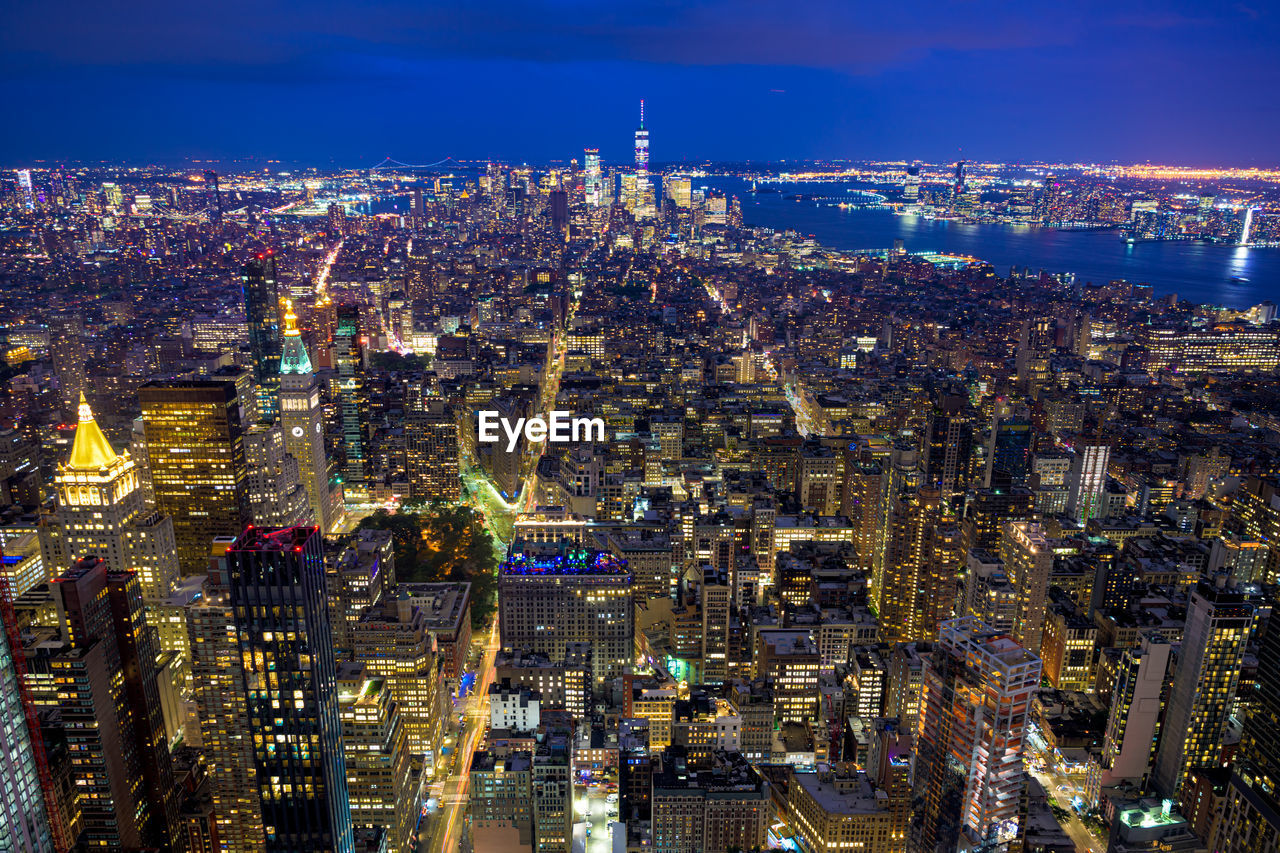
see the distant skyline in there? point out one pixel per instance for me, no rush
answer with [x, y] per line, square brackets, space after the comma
[345, 84]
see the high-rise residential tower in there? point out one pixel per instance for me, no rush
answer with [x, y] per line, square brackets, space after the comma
[1028, 560]
[969, 751]
[1219, 620]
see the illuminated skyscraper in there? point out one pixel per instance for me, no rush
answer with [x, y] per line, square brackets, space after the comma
[788, 659]
[393, 642]
[1088, 481]
[1251, 819]
[1037, 343]
[1028, 560]
[25, 190]
[1219, 619]
[913, 596]
[277, 497]
[227, 738]
[24, 825]
[337, 222]
[680, 191]
[348, 356]
[969, 751]
[302, 420]
[593, 181]
[1137, 702]
[195, 446]
[644, 184]
[102, 512]
[276, 587]
[262, 311]
[911, 184]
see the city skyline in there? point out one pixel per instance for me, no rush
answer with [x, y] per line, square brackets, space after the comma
[767, 83]
[581, 486]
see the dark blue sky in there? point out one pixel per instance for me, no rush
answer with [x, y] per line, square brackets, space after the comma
[345, 82]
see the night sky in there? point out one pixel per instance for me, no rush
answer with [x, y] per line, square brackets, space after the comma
[344, 83]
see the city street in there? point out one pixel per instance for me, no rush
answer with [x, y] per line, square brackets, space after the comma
[443, 830]
[599, 813]
[1063, 789]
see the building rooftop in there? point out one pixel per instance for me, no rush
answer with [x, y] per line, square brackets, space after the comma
[569, 561]
[840, 794]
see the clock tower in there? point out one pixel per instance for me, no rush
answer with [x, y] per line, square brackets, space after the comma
[303, 422]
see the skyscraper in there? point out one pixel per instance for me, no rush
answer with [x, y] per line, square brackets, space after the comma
[1137, 701]
[277, 497]
[380, 781]
[1251, 818]
[913, 596]
[969, 753]
[1009, 450]
[66, 346]
[24, 824]
[558, 208]
[1219, 619]
[195, 446]
[1088, 480]
[949, 446]
[911, 184]
[1028, 560]
[110, 707]
[644, 185]
[102, 512]
[262, 311]
[593, 181]
[277, 592]
[302, 419]
[1037, 343]
[337, 222]
[227, 738]
[348, 356]
[214, 196]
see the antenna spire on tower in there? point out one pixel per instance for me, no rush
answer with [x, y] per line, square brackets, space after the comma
[642, 112]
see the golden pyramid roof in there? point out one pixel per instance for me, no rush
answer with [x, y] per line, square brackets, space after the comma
[90, 451]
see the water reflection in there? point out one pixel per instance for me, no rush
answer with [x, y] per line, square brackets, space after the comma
[1198, 271]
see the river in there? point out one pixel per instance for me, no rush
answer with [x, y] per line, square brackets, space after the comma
[1200, 272]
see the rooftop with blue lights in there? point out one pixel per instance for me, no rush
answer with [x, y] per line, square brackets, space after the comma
[572, 561]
